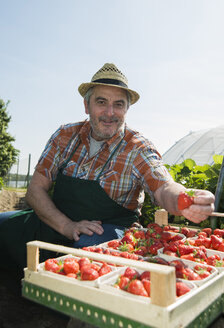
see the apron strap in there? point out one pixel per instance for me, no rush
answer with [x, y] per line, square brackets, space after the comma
[72, 153]
[108, 160]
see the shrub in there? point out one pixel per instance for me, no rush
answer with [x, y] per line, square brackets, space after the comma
[191, 176]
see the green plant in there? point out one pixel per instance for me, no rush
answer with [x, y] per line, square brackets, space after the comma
[8, 154]
[1, 183]
[191, 175]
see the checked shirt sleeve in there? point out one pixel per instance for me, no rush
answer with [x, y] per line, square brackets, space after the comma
[149, 169]
[50, 158]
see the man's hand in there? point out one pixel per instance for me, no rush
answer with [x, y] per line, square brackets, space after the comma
[72, 230]
[167, 197]
[202, 207]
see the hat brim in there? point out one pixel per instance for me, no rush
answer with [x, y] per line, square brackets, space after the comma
[84, 87]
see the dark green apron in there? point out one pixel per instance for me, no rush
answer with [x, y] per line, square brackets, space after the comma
[78, 199]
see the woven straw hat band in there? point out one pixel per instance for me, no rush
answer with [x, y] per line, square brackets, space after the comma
[110, 75]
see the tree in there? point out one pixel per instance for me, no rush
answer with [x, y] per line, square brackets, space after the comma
[8, 154]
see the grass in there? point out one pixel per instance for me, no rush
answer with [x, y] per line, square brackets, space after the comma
[15, 189]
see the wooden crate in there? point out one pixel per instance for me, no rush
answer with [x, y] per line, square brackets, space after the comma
[103, 308]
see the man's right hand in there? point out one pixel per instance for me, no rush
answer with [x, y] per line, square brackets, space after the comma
[72, 230]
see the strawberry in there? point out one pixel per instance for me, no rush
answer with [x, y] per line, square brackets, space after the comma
[215, 241]
[147, 285]
[89, 274]
[208, 231]
[145, 275]
[84, 261]
[53, 265]
[126, 247]
[71, 265]
[137, 287]
[181, 288]
[105, 268]
[189, 274]
[155, 247]
[189, 257]
[185, 199]
[129, 239]
[139, 234]
[219, 232]
[131, 273]
[113, 244]
[142, 250]
[123, 282]
[191, 233]
[184, 231]
[221, 247]
[203, 242]
[185, 249]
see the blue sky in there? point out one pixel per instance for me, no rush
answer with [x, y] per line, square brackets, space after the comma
[170, 50]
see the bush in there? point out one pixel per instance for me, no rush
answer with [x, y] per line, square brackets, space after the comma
[8, 154]
[191, 176]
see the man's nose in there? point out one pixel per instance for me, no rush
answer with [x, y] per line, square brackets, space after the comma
[110, 110]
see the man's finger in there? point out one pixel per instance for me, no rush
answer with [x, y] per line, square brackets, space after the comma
[75, 236]
[90, 228]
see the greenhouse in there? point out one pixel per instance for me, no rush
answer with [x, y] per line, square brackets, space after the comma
[199, 146]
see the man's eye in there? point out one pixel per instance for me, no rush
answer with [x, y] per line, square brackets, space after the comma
[101, 102]
[119, 105]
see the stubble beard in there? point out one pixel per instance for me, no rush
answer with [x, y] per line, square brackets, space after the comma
[105, 135]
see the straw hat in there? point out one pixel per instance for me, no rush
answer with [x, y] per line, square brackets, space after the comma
[110, 75]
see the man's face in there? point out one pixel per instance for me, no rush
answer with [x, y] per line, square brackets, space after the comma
[107, 108]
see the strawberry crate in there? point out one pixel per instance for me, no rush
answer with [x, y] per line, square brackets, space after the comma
[105, 308]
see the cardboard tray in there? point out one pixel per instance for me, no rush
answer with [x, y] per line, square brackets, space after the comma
[209, 252]
[105, 245]
[107, 283]
[41, 269]
[191, 265]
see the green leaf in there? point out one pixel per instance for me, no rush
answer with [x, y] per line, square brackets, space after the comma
[190, 163]
[218, 159]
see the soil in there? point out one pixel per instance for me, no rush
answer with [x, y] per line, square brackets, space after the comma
[18, 312]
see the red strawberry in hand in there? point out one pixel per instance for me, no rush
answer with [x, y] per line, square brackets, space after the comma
[185, 199]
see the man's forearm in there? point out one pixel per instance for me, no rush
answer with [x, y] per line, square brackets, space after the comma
[44, 207]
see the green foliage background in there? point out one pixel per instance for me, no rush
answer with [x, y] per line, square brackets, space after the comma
[191, 175]
[8, 154]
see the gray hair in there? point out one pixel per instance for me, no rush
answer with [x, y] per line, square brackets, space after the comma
[90, 92]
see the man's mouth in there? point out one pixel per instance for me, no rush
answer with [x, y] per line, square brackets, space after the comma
[108, 122]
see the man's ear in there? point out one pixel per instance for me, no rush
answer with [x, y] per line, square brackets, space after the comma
[86, 107]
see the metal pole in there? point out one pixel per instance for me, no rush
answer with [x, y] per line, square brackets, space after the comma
[17, 173]
[218, 194]
[28, 173]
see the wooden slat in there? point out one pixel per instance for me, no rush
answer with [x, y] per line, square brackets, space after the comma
[161, 217]
[32, 257]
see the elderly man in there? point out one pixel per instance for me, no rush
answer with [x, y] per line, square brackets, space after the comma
[100, 169]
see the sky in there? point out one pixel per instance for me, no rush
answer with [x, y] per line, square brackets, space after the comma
[172, 52]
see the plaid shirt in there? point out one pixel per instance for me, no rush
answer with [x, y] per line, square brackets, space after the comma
[135, 167]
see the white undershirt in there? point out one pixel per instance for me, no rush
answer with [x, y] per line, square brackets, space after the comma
[94, 146]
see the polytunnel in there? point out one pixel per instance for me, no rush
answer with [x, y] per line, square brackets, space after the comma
[199, 146]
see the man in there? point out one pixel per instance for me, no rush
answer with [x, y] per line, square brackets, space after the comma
[101, 169]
